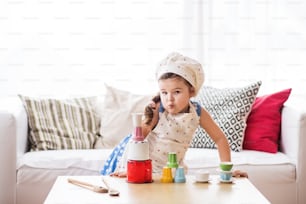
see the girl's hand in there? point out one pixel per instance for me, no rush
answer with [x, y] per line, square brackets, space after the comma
[238, 173]
[119, 174]
[155, 108]
[151, 112]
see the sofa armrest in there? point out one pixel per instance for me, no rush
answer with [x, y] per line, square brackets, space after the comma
[293, 141]
[293, 128]
[7, 157]
[13, 142]
[22, 130]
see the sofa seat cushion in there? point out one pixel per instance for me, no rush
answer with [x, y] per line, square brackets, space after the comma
[93, 159]
[197, 158]
[89, 159]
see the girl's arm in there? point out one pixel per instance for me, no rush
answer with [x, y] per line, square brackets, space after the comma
[216, 134]
[219, 138]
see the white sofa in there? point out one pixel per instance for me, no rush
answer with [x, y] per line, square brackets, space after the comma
[27, 177]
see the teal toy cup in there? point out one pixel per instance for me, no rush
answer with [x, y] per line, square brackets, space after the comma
[180, 175]
[225, 176]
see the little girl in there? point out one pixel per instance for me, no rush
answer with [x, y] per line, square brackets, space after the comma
[171, 119]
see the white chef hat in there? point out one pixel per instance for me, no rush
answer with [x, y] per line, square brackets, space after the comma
[188, 68]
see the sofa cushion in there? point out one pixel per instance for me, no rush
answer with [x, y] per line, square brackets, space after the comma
[264, 122]
[116, 114]
[229, 107]
[61, 123]
[197, 158]
[89, 159]
[93, 159]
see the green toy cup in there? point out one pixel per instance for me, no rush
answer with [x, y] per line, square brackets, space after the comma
[172, 160]
[226, 166]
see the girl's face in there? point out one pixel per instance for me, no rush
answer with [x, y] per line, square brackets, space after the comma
[175, 94]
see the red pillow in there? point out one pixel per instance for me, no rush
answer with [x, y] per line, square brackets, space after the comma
[264, 122]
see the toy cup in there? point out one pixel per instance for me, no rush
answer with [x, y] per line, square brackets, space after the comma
[172, 160]
[167, 175]
[137, 134]
[202, 176]
[225, 176]
[180, 175]
[226, 166]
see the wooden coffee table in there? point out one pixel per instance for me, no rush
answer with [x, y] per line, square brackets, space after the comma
[240, 191]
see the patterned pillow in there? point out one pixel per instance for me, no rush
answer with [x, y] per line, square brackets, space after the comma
[61, 124]
[230, 108]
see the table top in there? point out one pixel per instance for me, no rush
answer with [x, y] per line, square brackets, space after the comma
[241, 190]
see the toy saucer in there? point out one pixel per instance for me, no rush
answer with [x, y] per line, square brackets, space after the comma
[226, 181]
[202, 181]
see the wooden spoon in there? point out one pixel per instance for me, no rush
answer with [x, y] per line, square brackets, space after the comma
[111, 191]
[97, 189]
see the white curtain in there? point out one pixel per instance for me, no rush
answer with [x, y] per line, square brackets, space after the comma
[72, 47]
[256, 40]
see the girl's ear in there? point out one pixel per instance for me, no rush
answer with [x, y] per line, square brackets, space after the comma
[192, 91]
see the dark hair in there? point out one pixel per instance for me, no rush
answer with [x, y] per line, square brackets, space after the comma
[170, 75]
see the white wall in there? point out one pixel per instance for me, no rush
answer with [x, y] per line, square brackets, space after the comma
[72, 47]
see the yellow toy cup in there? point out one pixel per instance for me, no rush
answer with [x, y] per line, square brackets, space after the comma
[167, 175]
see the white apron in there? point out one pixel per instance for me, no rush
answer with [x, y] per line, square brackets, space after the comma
[173, 133]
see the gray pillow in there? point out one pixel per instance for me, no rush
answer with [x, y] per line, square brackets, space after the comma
[229, 107]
